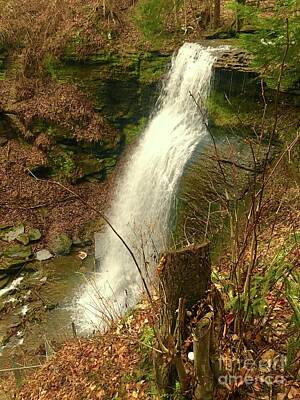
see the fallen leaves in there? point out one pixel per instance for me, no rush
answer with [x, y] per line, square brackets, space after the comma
[100, 368]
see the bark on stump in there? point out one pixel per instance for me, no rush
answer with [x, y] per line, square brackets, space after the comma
[185, 275]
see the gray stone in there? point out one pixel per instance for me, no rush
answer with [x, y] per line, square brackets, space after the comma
[43, 255]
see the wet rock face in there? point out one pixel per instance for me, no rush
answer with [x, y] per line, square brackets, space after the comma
[235, 60]
[123, 89]
[122, 86]
[234, 75]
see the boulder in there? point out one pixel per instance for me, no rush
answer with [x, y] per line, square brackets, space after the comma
[34, 234]
[61, 245]
[9, 266]
[17, 252]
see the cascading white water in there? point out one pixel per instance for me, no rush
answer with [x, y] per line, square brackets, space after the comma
[145, 193]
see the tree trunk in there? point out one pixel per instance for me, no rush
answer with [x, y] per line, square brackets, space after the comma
[217, 13]
[184, 279]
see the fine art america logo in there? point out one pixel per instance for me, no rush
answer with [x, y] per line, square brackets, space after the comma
[237, 372]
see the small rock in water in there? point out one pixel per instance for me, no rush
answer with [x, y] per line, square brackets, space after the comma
[43, 255]
[82, 255]
[191, 356]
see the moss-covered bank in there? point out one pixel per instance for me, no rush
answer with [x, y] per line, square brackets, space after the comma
[123, 87]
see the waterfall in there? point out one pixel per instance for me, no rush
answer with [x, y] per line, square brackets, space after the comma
[144, 196]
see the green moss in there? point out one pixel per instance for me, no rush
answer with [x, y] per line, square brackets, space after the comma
[133, 130]
[76, 41]
[61, 162]
[233, 112]
[54, 131]
[153, 66]
[123, 87]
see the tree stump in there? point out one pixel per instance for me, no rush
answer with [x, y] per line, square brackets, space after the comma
[185, 277]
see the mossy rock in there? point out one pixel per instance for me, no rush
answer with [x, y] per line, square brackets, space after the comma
[55, 132]
[90, 227]
[4, 281]
[60, 244]
[18, 251]
[34, 234]
[9, 234]
[10, 265]
[23, 239]
[3, 141]
[133, 130]
[5, 226]
[88, 165]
